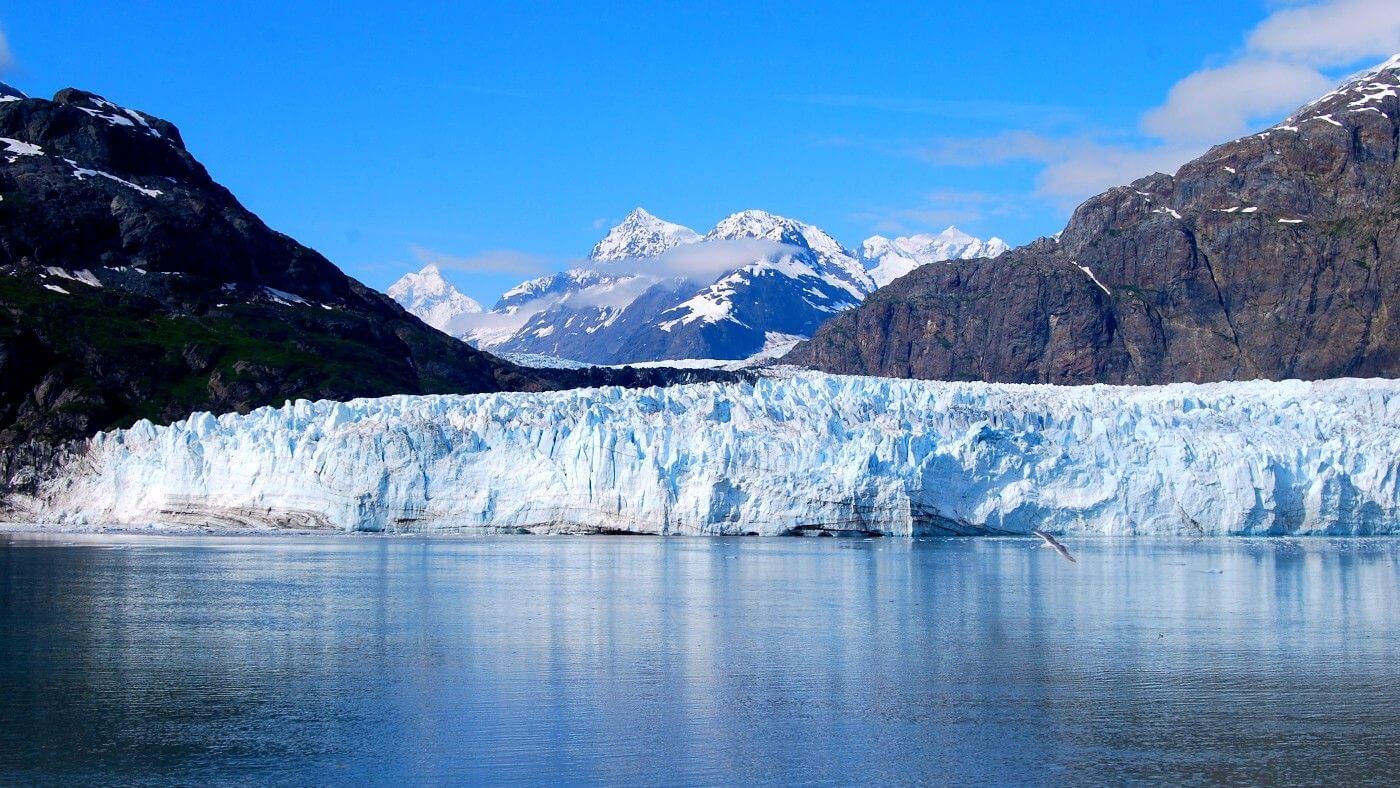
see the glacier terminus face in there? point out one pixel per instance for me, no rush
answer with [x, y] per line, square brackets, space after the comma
[806, 453]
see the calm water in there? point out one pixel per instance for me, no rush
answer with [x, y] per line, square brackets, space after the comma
[617, 660]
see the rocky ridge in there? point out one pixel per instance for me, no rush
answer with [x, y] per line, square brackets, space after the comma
[1271, 256]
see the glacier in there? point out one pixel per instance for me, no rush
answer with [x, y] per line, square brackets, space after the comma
[794, 453]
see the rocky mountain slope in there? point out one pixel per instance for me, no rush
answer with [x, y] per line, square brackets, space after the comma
[134, 286]
[1272, 256]
[653, 290]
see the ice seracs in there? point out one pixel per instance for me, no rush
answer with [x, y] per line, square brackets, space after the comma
[797, 454]
[432, 298]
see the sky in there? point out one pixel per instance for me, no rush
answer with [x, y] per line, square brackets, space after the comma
[501, 140]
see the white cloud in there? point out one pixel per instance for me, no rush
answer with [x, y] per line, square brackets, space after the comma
[7, 57]
[1336, 33]
[1215, 104]
[1073, 167]
[939, 209]
[1092, 168]
[702, 262]
[498, 261]
[1277, 70]
[614, 295]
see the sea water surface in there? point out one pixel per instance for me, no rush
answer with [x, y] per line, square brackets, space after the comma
[335, 659]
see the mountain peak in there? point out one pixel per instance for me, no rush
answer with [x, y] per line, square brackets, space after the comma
[887, 259]
[772, 227]
[8, 93]
[640, 234]
[1390, 64]
[432, 298]
[954, 234]
[757, 224]
[1365, 91]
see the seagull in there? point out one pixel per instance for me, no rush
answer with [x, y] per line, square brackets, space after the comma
[1051, 541]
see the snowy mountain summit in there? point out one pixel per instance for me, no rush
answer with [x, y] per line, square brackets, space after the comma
[754, 281]
[433, 299]
[641, 235]
[887, 259]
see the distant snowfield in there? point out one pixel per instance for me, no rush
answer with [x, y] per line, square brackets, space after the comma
[804, 453]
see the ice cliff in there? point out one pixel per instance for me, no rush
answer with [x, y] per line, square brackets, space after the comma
[805, 453]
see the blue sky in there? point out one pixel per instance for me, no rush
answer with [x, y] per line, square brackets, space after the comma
[501, 139]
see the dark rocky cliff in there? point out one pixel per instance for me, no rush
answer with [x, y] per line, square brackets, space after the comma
[1273, 256]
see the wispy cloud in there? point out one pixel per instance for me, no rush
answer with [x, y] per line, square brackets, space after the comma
[7, 56]
[1279, 67]
[1072, 167]
[968, 109]
[1335, 33]
[702, 262]
[1218, 103]
[499, 261]
[941, 208]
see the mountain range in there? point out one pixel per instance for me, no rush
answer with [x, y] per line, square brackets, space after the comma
[652, 290]
[132, 285]
[1271, 256]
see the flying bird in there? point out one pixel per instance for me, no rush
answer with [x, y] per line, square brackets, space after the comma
[1051, 541]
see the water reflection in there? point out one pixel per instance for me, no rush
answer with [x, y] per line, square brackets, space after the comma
[696, 660]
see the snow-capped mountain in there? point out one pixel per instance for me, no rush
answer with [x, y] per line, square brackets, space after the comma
[806, 453]
[804, 278]
[641, 235]
[887, 259]
[655, 290]
[433, 299]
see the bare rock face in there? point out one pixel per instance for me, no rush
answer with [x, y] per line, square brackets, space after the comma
[1276, 255]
